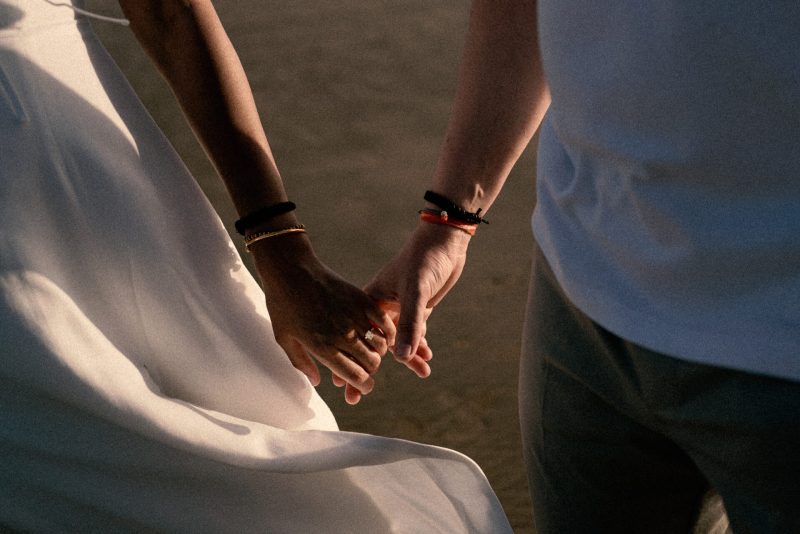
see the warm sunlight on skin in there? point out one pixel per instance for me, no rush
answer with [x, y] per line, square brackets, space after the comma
[418, 364]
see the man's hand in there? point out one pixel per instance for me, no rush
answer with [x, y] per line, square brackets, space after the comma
[421, 274]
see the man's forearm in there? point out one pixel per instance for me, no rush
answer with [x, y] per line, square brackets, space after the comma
[500, 101]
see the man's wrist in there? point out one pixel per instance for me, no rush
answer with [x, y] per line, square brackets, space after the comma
[453, 209]
[443, 235]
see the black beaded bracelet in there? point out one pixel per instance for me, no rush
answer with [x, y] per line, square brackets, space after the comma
[263, 214]
[454, 211]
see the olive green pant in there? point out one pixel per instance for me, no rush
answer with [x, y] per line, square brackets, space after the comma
[621, 439]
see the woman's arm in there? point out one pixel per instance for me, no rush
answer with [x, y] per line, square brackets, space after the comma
[313, 310]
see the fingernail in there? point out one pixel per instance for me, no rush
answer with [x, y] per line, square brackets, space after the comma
[403, 352]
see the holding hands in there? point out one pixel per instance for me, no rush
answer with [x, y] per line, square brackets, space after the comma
[317, 315]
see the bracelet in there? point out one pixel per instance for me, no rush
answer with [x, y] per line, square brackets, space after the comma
[454, 211]
[260, 236]
[262, 215]
[432, 216]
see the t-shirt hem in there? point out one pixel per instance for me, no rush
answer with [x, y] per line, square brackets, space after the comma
[709, 345]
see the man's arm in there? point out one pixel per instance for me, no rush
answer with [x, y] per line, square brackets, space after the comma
[501, 99]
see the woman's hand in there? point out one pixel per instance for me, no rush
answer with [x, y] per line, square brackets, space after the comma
[318, 315]
[421, 274]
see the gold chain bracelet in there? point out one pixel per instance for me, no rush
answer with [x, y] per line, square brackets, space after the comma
[260, 236]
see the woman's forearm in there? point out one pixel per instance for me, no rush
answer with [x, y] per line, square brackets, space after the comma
[500, 101]
[188, 44]
[314, 312]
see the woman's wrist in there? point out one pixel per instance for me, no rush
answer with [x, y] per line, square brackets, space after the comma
[273, 224]
[282, 257]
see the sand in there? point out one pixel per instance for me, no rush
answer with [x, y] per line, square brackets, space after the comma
[355, 97]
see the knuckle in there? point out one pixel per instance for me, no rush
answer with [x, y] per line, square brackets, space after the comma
[323, 350]
[380, 346]
[351, 336]
[372, 364]
[356, 375]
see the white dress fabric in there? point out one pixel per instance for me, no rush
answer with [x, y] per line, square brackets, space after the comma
[140, 386]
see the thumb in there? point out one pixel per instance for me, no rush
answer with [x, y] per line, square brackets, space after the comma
[411, 325]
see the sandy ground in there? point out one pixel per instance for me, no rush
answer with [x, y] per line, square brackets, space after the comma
[355, 96]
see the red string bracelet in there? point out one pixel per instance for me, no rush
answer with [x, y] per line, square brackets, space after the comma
[441, 218]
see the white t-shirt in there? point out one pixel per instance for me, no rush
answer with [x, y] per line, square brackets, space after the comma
[669, 174]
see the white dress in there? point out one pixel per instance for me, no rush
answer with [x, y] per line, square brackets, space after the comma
[140, 386]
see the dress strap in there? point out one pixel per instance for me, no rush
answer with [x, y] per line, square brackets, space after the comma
[123, 22]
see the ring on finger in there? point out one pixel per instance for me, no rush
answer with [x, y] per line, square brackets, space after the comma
[372, 333]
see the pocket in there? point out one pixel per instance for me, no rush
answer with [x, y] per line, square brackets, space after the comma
[10, 104]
